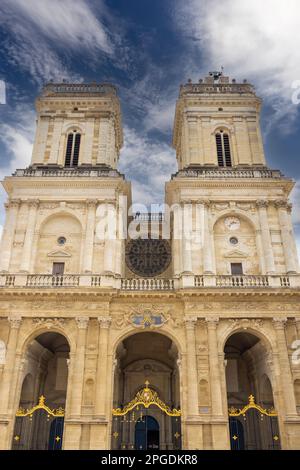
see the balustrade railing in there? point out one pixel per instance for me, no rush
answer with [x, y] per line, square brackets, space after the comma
[242, 281]
[147, 284]
[134, 284]
[228, 173]
[48, 280]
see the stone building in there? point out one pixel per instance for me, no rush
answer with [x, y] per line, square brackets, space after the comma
[115, 342]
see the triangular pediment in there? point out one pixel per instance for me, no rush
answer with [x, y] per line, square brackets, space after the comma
[59, 254]
[236, 254]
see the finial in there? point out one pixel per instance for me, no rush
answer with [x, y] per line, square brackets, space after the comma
[147, 383]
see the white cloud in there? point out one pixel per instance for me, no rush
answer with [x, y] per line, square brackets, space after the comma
[256, 40]
[17, 139]
[40, 30]
[70, 23]
[148, 164]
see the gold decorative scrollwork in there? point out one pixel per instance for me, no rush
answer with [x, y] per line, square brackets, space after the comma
[58, 412]
[232, 411]
[146, 397]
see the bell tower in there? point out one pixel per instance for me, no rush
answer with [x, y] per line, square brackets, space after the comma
[53, 205]
[217, 124]
[78, 125]
[238, 206]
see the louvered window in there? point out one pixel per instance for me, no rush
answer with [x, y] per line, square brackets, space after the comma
[223, 149]
[72, 150]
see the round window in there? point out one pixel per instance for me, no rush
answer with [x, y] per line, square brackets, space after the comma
[61, 240]
[233, 240]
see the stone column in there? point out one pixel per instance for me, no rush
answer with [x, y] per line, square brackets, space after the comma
[6, 382]
[103, 147]
[29, 235]
[15, 322]
[284, 222]
[110, 240]
[78, 366]
[12, 209]
[191, 367]
[266, 237]
[101, 381]
[208, 267]
[287, 387]
[89, 236]
[186, 239]
[214, 366]
[177, 234]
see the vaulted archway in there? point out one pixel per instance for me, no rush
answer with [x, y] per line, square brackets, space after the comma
[146, 368]
[253, 422]
[40, 416]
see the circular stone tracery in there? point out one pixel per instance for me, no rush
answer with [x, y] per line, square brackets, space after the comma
[148, 257]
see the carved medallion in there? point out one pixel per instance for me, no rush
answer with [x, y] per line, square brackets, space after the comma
[232, 223]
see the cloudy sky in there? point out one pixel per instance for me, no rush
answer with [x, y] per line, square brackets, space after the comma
[147, 48]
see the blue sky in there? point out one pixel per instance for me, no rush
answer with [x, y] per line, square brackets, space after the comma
[147, 48]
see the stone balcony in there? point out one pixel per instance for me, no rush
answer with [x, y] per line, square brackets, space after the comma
[64, 172]
[228, 173]
[186, 281]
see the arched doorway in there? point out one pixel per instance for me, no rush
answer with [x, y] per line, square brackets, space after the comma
[253, 422]
[40, 417]
[147, 434]
[146, 366]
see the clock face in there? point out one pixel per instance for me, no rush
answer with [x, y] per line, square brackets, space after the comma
[232, 223]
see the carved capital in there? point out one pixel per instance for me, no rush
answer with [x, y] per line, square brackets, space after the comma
[82, 322]
[104, 322]
[190, 322]
[281, 204]
[14, 203]
[279, 323]
[204, 202]
[33, 203]
[91, 203]
[212, 322]
[15, 321]
[262, 203]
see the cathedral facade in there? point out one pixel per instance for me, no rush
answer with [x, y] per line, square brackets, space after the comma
[184, 336]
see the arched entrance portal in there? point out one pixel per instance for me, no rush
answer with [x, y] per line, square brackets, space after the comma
[40, 418]
[146, 405]
[253, 422]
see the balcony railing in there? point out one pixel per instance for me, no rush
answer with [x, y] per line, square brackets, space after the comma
[46, 280]
[67, 172]
[147, 284]
[19, 280]
[227, 173]
[242, 281]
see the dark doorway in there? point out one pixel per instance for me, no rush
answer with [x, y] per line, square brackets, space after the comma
[147, 434]
[56, 434]
[236, 269]
[58, 269]
[237, 440]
